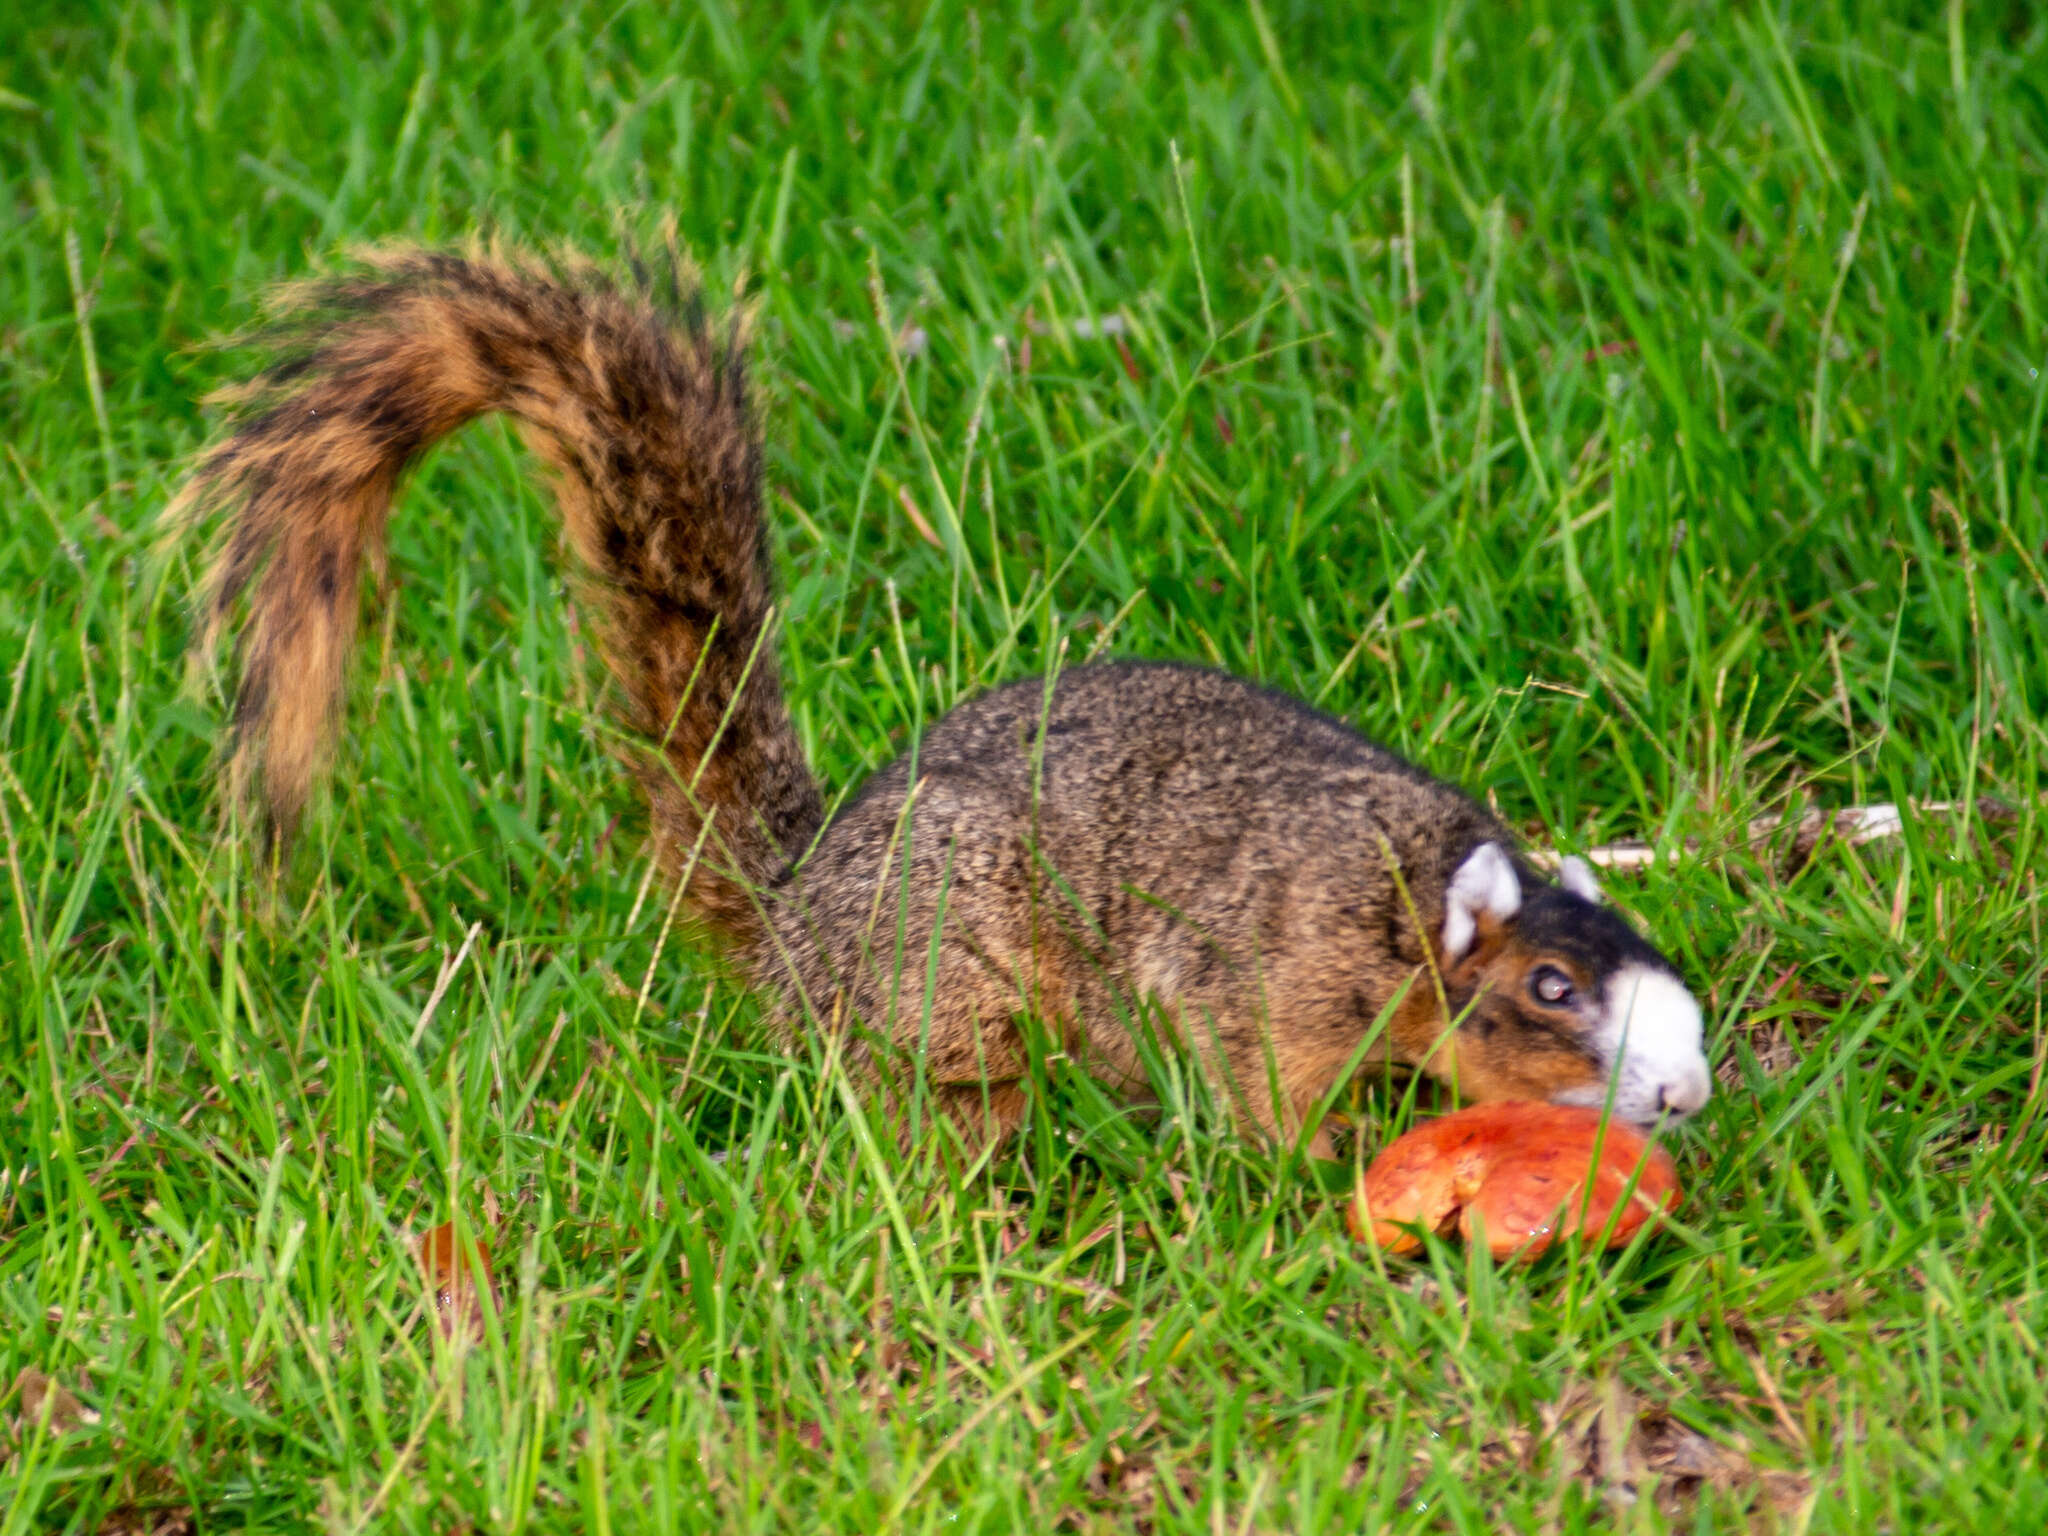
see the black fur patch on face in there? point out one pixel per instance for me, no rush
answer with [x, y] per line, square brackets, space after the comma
[1592, 939]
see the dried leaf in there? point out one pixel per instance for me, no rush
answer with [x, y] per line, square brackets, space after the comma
[456, 1284]
[133, 1520]
[39, 1393]
[160, 1516]
[1613, 1439]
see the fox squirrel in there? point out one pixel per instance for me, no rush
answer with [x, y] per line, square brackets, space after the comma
[1130, 836]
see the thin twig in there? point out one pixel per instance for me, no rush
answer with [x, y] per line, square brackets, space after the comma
[1853, 824]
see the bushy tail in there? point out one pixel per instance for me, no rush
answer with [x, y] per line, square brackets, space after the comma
[642, 416]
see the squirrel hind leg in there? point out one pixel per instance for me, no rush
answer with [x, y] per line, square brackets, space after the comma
[985, 1115]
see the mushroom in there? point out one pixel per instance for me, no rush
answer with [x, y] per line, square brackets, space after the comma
[1516, 1174]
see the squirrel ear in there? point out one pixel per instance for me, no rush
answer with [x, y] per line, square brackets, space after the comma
[1576, 876]
[1485, 886]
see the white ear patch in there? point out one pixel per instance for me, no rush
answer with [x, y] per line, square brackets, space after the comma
[1576, 876]
[1484, 886]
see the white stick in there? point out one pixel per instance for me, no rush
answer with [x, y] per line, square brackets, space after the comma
[1856, 824]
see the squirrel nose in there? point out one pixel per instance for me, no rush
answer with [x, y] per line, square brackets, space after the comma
[1683, 1098]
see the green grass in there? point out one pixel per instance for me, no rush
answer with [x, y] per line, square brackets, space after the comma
[1636, 417]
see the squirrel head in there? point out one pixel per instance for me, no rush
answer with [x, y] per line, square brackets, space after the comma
[1558, 998]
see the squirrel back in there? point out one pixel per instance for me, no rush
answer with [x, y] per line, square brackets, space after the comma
[1289, 898]
[642, 419]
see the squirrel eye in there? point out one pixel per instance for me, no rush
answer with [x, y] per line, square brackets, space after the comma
[1550, 986]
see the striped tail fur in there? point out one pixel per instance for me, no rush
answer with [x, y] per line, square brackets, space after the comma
[640, 414]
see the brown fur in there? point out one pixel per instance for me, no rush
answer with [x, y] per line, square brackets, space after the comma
[1135, 842]
[656, 467]
[1164, 833]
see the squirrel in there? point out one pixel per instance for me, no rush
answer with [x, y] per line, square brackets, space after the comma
[1123, 842]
